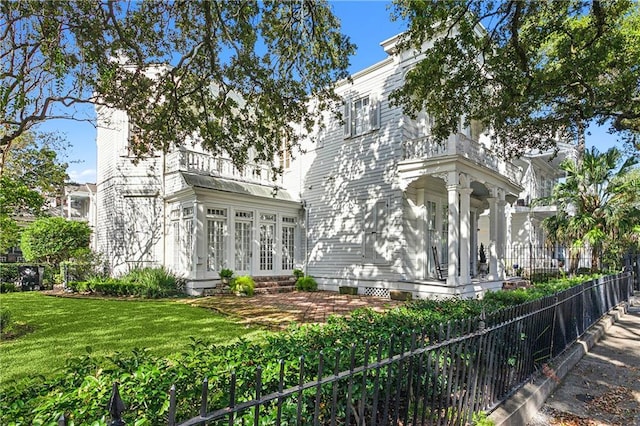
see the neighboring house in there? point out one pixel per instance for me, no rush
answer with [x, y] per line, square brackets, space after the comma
[373, 202]
[78, 202]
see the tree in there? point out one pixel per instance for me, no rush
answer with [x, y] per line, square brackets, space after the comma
[54, 239]
[598, 204]
[32, 172]
[533, 71]
[237, 74]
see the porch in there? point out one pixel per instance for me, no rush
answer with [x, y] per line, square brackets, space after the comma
[447, 187]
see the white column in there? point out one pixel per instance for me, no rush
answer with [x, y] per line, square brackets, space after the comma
[501, 235]
[421, 249]
[68, 206]
[198, 231]
[465, 235]
[493, 235]
[453, 234]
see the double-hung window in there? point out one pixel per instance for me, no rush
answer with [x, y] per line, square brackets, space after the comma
[361, 115]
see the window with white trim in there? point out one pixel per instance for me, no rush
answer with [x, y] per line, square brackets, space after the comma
[135, 136]
[243, 240]
[375, 233]
[285, 155]
[216, 238]
[267, 241]
[188, 226]
[288, 242]
[361, 115]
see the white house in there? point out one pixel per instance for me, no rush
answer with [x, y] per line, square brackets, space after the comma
[373, 203]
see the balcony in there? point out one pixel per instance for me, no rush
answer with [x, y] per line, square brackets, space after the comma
[460, 146]
[205, 164]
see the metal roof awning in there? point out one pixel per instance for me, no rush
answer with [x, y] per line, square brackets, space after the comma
[237, 187]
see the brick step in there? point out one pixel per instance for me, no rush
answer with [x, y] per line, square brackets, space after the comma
[268, 284]
[272, 290]
[290, 278]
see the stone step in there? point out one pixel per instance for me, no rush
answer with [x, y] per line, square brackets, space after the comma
[272, 290]
[266, 284]
[290, 278]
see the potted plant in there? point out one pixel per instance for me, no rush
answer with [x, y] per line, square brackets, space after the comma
[225, 275]
[482, 263]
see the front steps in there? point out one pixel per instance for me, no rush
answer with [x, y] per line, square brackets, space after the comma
[275, 284]
[264, 285]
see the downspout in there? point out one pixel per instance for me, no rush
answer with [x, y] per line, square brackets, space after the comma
[306, 236]
[164, 209]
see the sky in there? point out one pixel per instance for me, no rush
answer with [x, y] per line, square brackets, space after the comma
[366, 22]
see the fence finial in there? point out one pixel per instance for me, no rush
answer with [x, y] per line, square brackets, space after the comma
[116, 407]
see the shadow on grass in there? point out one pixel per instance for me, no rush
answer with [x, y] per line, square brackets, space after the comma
[62, 328]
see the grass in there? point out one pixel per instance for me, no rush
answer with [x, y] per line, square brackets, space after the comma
[58, 328]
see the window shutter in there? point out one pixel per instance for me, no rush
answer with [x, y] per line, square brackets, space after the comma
[346, 116]
[374, 115]
[369, 237]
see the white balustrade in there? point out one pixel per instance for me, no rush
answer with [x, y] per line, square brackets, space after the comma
[206, 164]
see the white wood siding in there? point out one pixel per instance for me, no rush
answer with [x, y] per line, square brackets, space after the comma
[344, 179]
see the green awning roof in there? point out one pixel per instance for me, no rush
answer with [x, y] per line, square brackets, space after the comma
[237, 187]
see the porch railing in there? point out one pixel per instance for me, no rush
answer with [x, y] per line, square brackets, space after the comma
[439, 376]
[203, 163]
[461, 145]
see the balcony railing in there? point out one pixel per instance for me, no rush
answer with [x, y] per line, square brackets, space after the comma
[205, 164]
[426, 148]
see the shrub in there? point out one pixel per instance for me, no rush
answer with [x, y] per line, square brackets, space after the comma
[307, 283]
[298, 273]
[7, 287]
[84, 389]
[78, 286]
[5, 319]
[154, 282]
[9, 273]
[225, 273]
[243, 284]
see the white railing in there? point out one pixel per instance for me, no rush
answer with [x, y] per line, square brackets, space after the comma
[206, 164]
[426, 148]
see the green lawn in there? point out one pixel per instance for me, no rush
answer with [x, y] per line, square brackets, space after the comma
[64, 327]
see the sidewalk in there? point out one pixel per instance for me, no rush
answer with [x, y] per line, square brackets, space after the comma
[590, 385]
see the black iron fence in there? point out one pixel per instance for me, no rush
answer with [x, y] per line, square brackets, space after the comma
[541, 263]
[439, 376]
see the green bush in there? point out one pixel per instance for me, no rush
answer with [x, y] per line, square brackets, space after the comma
[154, 282]
[8, 287]
[54, 239]
[5, 319]
[8, 273]
[147, 282]
[298, 273]
[307, 283]
[78, 286]
[83, 390]
[243, 284]
[225, 273]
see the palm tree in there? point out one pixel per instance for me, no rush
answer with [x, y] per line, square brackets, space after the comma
[597, 204]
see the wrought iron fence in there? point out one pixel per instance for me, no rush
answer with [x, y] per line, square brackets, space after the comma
[439, 376]
[541, 263]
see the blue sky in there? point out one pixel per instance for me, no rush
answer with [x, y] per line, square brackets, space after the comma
[367, 23]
